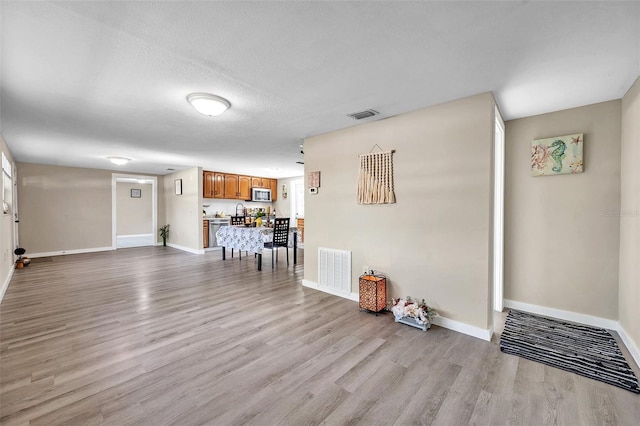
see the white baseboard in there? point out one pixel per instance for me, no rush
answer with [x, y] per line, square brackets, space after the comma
[439, 321]
[351, 296]
[5, 285]
[630, 344]
[461, 327]
[134, 235]
[563, 315]
[187, 249]
[74, 251]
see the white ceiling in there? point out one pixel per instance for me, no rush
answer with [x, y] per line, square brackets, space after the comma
[85, 80]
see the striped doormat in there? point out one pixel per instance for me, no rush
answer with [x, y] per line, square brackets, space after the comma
[588, 351]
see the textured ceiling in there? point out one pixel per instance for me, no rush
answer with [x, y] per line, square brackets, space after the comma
[85, 80]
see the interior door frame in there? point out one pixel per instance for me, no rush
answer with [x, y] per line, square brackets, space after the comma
[293, 196]
[114, 210]
[498, 212]
[16, 220]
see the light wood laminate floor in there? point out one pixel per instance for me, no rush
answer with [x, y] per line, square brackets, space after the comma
[155, 336]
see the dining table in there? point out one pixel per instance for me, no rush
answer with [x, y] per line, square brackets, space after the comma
[252, 239]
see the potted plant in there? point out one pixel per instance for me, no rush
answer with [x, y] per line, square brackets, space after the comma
[164, 233]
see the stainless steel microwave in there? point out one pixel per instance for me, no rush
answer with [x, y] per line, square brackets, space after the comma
[260, 194]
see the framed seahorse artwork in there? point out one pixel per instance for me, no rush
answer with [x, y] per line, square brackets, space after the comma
[557, 156]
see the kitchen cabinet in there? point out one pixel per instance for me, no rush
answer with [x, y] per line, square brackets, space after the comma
[237, 187]
[300, 223]
[213, 185]
[218, 185]
[205, 233]
[273, 185]
[258, 182]
[207, 184]
[231, 186]
[244, 187]
[266, 183]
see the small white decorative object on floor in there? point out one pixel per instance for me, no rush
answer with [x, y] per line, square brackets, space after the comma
[413, 314]
[414, 323]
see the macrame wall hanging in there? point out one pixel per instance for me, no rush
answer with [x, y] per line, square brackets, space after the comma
[375, 182]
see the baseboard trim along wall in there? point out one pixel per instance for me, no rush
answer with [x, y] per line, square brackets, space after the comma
[581, 319]
[439, 321]
[461, 327]
[563, 315]
[631, 346]
[351, 296]
[74, 251]
[5, 285]
[187, 249]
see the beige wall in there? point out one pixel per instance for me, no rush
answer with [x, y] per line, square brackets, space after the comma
[6, 230]
[65, 208]
[134, 216]
[561, 243]
[629, 294]
[434, 243]
[184, 212]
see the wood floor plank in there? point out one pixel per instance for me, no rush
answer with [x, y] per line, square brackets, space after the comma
[156, 336]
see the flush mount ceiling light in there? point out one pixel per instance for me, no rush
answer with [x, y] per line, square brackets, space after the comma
[120, 161]
[208, 104]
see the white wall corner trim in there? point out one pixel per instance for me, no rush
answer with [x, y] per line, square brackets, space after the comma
[351, 296]
[75, 251]
[439, 321]
[183, 248]
[5, 285]
[630, 344]
[563, 315]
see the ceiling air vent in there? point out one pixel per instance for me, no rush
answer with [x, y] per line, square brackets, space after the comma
[363, 114]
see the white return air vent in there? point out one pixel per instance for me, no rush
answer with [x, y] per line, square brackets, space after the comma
[363, 114]
[334, 270]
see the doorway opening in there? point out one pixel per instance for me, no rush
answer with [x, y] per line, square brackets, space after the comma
[297, 197]
[297, 208]
[9, 197]
[134, 211]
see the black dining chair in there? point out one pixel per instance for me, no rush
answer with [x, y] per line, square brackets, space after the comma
[238, 220]
[280, 238]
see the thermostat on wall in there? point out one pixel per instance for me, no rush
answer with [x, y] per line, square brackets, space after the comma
[313, 190]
